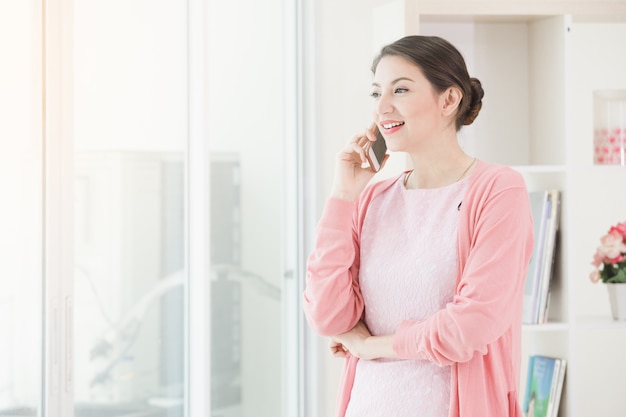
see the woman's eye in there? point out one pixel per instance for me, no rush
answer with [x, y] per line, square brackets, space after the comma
[375, 94]
[401, 90]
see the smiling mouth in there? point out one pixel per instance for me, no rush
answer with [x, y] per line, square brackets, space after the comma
[392, 125]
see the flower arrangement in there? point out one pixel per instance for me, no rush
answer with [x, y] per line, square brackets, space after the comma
[609, 260]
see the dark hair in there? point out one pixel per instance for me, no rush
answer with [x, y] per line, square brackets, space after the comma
[443, 66]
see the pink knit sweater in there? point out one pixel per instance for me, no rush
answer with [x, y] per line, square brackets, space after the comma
[479, 332]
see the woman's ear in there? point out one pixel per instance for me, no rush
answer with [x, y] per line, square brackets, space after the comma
[451, 98]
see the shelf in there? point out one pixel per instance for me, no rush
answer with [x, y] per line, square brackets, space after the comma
[547, 327]
[599, 169]
[538, 119]
[599, 323]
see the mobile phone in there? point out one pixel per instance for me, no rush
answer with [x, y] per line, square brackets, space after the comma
[376, 151]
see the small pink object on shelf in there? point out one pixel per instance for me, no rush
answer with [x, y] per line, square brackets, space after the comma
[609, 141]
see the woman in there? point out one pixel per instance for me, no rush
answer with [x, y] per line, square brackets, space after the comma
[418, 279]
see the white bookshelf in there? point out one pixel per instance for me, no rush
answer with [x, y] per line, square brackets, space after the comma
[539, 63]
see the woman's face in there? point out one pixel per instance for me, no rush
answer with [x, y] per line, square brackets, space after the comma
[407, 110]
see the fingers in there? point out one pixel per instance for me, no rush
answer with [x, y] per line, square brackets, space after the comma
[360, 148]
[337, 349]
[372, 127]
[371, 131]
[357, 145]
[340, 353]
[361, 141]
[352, 173]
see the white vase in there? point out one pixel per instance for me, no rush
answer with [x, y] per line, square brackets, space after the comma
[617, 297]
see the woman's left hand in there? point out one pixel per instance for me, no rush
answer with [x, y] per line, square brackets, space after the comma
[360, 343]
[351, 342]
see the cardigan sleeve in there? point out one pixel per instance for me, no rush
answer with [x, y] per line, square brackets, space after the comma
[495, 245]
[332, 300]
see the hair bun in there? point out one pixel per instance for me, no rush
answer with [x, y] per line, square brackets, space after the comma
[476, 102]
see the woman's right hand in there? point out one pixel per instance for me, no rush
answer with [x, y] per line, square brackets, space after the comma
[350, 176]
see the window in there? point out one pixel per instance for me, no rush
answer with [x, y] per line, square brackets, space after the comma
[150, 225]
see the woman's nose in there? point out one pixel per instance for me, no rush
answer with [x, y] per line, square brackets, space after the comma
[384, 104]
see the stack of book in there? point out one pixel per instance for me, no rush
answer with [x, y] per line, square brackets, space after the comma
[544, 386]
[546, 209]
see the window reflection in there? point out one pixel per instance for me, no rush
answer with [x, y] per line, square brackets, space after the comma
[129, 278]
[245, 365]
[130, 132]
[246, 129]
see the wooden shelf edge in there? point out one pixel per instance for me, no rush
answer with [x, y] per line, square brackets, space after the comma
[520, 7]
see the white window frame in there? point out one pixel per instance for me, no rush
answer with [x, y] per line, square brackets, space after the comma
[58, 384]
[299, 386]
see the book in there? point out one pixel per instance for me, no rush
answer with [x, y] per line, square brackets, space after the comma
[550, 250]
[544, 386]
[531, 287]
[545, 209]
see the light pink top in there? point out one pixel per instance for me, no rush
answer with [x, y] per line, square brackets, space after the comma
[479, 333]
[408, 271]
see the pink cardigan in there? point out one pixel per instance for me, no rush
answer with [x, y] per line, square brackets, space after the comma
[479, 332]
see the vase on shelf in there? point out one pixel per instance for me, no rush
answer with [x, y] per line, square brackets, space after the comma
[617, 299]
[609, 139]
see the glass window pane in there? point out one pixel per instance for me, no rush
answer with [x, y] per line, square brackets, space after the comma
[130, 133]
[246, 137]
[21, 209]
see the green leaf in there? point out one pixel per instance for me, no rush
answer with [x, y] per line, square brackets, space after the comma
[618, 276]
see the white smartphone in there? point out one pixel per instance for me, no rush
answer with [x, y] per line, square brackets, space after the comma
[376, 152]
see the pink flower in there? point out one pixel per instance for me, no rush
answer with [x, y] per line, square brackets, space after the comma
[619, 228]
[608, 260]
[598, 259]
[612, 245]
